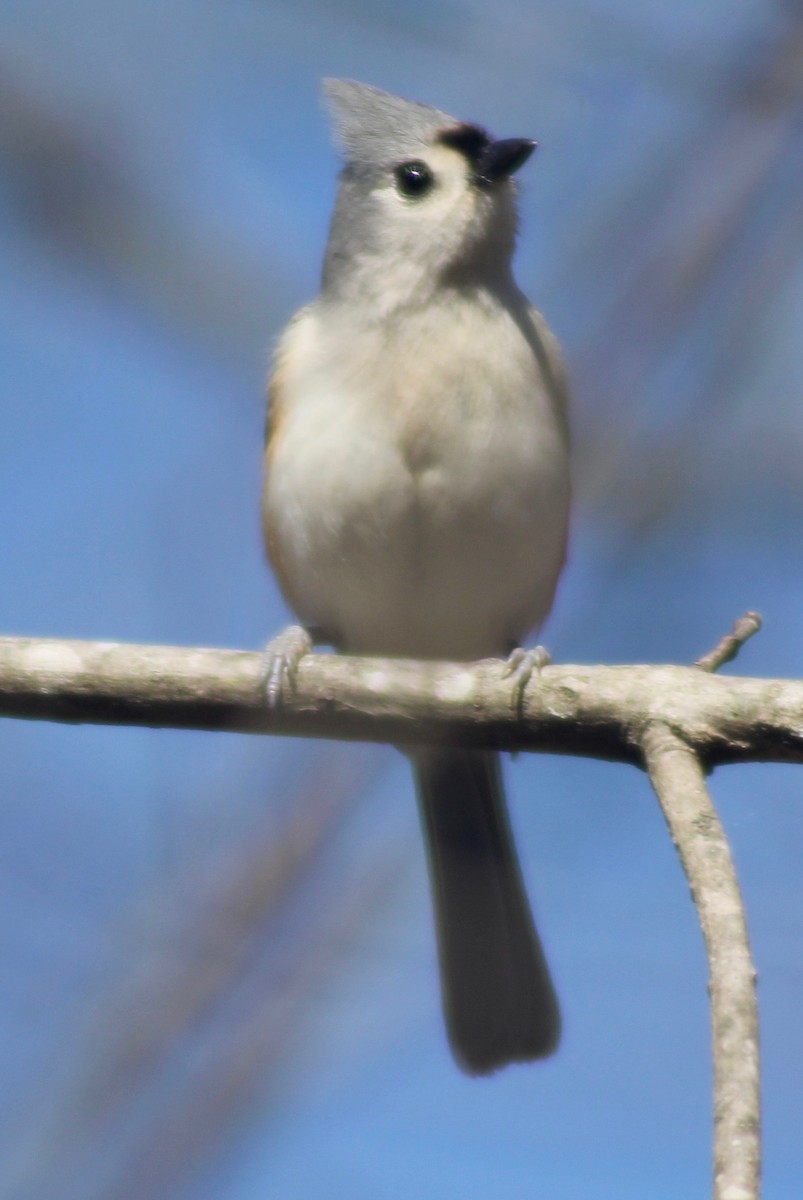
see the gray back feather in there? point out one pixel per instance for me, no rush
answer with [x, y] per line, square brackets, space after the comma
[375, 127]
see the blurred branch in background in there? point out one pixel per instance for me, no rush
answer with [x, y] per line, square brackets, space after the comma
[695, 254]
[76, 178]
[190, 1035]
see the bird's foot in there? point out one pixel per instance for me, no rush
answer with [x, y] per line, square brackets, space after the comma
[520, 666]
[281, 657]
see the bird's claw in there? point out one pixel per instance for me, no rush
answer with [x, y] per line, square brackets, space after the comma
[281, 657]
[520, 666]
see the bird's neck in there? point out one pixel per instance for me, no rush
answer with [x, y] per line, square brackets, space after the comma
[379, 295]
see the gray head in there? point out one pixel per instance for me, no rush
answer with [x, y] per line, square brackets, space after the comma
[425, 200]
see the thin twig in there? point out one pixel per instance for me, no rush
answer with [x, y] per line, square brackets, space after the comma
[729, 646]
[695, 829]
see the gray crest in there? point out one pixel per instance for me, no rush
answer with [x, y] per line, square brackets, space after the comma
[374, 127]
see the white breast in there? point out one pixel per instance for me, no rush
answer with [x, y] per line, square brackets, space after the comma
[417, 492]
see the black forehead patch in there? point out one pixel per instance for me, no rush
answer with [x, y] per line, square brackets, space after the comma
[471, 140]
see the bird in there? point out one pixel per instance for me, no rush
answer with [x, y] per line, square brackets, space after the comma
[416, 500]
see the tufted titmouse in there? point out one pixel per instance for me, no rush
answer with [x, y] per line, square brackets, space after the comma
[417, 495]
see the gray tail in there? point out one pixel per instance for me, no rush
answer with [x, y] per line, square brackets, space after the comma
[499, 1002]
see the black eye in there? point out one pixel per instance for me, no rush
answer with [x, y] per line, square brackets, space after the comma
[413, 179]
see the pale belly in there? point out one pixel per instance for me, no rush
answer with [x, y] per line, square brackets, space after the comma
[449, 549]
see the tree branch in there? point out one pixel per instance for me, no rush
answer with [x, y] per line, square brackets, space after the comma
[703, 848]
[592, 711]
[729, 646]
[675, 721]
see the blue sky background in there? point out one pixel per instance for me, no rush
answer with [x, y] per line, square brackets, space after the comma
[218, 976]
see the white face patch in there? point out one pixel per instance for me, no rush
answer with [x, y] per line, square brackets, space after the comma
[428, 230]
[451, 188]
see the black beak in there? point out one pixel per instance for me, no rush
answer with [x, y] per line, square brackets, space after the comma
[499, 160]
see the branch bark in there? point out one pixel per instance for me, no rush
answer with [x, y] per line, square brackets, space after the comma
[677, 722]
[701, 843]
[593, 711]
[729, 646]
